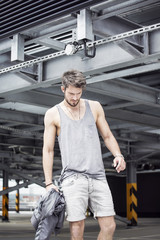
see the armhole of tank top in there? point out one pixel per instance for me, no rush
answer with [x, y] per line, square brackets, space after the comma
[59, 111]
[89, 108]
[58, 108]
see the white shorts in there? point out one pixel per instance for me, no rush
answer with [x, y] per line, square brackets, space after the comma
[81, 192]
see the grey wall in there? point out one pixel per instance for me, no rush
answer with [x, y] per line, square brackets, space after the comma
[148, 194]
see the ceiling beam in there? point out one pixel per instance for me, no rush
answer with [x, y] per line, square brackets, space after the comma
[21, 174]
[133, 117]
[147, 147]
[116, 25]
[5, 45]
[18, 186]
[37, 98]
[128, 72]
[51, 43]
[124, 89]
[23, 119]
[124, 7]
[115, 58]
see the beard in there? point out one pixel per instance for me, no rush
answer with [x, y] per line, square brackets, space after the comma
[74, 104]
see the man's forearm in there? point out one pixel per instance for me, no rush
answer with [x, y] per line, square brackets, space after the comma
[118, 161]
[112, 145]
[48, 166]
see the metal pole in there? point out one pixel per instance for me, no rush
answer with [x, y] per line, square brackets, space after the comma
[131, 192]
[5, 198]
[17, 199]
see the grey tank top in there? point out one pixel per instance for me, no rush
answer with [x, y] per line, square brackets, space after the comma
[80, 145]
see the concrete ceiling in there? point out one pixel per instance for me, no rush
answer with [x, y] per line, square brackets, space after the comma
[124, 75]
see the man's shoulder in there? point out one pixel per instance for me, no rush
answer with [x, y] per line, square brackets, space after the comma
[52, 114]
[51, 111]
[94, 104]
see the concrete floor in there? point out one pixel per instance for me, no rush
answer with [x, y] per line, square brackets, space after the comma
[19, 228]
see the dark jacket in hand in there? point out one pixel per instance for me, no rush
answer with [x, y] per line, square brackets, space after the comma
[48, 216]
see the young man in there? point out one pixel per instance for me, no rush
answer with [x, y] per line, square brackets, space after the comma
[75, 121]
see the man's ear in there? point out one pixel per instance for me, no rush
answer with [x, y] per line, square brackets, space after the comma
[63, 89]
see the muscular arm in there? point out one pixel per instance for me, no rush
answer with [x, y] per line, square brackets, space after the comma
[108, 138]
[48, 147]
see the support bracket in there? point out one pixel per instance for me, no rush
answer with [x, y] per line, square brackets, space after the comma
[86, 50]
[17, 48]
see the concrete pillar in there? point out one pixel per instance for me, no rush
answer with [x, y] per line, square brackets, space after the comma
[5, 198]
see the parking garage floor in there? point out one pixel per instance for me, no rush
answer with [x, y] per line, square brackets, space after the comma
[20, 228]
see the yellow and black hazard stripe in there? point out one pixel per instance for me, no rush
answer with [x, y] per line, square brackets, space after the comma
[5, 202]
[132, 203]
[17, 202]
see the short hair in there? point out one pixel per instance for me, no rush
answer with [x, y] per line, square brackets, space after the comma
[74, 78]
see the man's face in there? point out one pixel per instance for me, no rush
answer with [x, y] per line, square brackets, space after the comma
[72, 95]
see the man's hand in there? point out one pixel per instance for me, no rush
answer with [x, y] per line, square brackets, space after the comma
[52, 186]
[119, 163]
